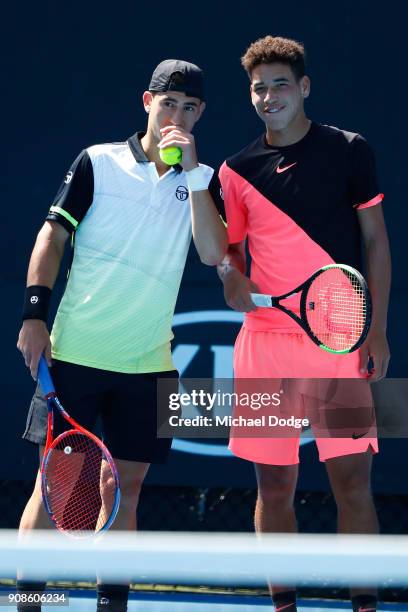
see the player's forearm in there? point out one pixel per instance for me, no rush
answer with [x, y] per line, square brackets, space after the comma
[378, 261]
[233, 261]
[45, 260]
[209, 233]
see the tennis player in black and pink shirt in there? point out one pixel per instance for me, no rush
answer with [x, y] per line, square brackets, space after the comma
[301, 196]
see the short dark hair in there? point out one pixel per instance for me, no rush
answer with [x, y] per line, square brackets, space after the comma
[271, 49]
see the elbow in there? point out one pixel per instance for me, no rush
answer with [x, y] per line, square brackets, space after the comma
[214, 257]
[211, 260]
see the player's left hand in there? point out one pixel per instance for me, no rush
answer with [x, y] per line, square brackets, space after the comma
[376, 347]
[173, 136]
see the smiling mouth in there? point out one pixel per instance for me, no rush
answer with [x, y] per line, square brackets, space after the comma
[273, 111]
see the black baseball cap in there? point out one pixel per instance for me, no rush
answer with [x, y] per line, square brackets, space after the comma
[178, 75]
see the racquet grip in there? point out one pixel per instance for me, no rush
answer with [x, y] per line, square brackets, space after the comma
[44, 377]
[262, 300]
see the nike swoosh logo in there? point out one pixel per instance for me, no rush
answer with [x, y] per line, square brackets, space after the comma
[280, 170]
[356, 437]
[283, 607]
[366, 609]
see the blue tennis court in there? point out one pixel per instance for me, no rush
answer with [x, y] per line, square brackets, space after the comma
[221, 603]
[81, 600]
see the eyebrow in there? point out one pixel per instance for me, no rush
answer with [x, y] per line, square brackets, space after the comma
[192, 103]
[275, 81]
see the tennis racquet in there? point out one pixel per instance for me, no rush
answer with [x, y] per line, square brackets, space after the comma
[79, 479]
[335, 308]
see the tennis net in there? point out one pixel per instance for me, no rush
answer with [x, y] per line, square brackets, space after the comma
[209, 558]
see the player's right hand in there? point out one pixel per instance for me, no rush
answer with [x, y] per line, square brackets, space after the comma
[33, 340]
[237, 291]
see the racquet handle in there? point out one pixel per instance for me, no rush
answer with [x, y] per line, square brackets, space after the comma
[44, 377]
[262, 300]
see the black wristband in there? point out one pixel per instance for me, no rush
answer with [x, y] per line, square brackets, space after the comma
[36, 302]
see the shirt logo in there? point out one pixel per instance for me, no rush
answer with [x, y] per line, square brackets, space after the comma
[279, 170]
[68, 177]
[182, 193]
[357, 436]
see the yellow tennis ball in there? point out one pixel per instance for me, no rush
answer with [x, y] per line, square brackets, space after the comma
[171, 155]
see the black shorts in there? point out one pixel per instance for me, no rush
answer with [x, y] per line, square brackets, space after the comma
[125, 403]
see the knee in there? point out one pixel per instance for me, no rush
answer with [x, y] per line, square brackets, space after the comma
[130, 491]
[353, 490]
[278, 490]
[271, 496]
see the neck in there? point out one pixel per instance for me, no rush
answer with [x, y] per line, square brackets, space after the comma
[291, 134]
[149, 146]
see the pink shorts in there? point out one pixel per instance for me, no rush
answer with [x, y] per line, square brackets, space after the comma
[266, 355]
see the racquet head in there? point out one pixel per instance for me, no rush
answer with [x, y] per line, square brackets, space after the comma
[336, 308]
[80, 485]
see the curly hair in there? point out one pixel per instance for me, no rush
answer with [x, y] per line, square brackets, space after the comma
[271, 49]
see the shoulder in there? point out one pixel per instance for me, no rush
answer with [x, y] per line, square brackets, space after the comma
[109, 149]
[337, 135]
[250, 151]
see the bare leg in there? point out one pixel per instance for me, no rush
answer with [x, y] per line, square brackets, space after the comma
[34, 515]
[274, 511]
[131, 476]
[350, 481]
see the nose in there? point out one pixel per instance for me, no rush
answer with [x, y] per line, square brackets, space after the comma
[178, 117]
[271, 95]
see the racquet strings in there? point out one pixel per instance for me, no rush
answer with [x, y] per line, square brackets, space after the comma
[80, 484]
[336, 309]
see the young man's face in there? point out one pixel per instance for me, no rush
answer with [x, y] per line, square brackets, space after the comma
[171, 108]
[276, 94]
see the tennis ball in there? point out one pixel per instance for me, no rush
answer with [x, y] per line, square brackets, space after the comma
[171, 155]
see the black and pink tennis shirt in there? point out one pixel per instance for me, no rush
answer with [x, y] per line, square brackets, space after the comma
[297, 206]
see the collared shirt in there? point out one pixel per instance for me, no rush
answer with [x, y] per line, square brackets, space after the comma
[132, 232]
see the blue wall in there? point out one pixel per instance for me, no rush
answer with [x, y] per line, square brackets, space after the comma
[76, 75]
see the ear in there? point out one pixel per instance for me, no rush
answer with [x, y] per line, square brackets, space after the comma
[305, 86]
[147, 100]
[251, 94]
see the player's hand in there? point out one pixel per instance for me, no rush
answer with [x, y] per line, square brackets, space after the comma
[33, 340]
[376, 347]
[237, 291]
[173, 136]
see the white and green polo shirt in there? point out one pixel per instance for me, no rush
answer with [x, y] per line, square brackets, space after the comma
[132, 231]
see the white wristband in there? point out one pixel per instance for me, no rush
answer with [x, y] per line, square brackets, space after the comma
[197, 179]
